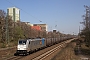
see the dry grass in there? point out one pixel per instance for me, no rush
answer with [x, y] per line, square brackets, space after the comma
[67, 53]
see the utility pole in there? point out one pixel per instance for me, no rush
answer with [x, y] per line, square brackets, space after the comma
[7, 31]
[79, 32]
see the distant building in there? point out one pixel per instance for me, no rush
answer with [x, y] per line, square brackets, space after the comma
[43, 26]
[28, 23]
[14, 13]
[36, 28]
[54, 31]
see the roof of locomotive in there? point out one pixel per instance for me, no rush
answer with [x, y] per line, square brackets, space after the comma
[32, 39]
[35, 39]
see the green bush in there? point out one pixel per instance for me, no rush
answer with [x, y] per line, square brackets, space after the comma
[3, 45]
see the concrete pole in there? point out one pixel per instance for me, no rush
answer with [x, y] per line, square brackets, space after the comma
[7, 31]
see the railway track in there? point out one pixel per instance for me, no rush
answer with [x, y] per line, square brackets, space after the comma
[43, 56]
[14, 58]
[48, 53]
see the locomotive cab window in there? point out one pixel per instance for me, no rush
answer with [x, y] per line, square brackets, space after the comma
[22, 42]
[29, 42]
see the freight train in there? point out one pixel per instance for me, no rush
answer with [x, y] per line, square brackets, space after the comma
[26, 46]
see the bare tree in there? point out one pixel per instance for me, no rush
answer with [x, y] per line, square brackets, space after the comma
[2, 25]
[86, 23]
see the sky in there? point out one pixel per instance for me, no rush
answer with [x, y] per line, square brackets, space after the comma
[63, 15]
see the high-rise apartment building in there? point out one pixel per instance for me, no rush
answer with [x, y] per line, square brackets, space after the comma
[14, 13]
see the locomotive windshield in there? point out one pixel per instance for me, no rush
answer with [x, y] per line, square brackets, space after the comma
[22, 41]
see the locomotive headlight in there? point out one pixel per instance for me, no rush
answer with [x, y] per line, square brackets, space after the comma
[18, 48]
[24, 48]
